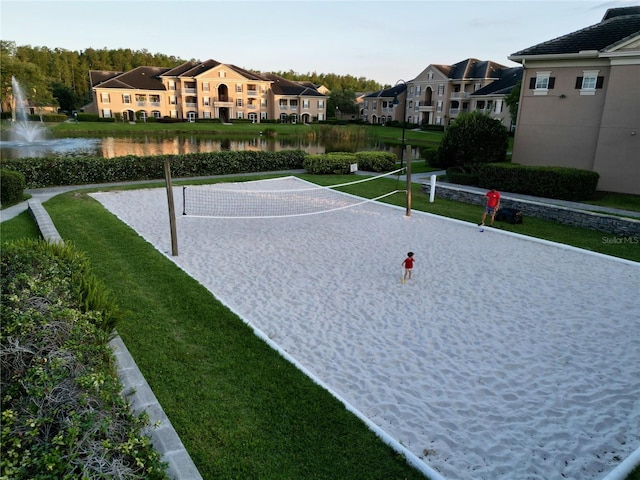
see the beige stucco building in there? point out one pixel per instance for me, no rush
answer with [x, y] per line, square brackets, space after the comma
[580, 102]
[442, 92]
[204, 90]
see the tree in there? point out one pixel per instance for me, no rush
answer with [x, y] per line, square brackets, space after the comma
[472, 140]
[513, 100]
[343, 101]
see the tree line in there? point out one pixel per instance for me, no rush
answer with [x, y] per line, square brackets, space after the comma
[51, 76]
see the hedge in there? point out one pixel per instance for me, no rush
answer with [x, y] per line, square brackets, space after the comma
[12, 185]
[54, 171]
[550, 182]
[340, 162]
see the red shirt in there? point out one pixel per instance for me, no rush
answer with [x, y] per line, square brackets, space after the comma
[493, 198]
[408, 262]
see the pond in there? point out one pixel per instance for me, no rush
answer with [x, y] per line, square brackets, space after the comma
[147, 144]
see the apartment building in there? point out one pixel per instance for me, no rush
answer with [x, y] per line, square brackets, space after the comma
[580, 101]
[385, 105]
[442, 92]
[203, 90]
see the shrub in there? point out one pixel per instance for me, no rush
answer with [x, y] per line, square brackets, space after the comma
[550, 182]
[458, 176]
[12, 186]
[329, 163]
[88, 117]
[62, 413]
[472, 140]
[376, 161]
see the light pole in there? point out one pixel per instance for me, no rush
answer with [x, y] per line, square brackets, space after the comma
[404, 116]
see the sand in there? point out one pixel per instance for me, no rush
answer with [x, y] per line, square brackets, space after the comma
[504, 357]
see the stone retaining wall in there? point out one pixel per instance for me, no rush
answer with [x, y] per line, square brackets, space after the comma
[579, 218]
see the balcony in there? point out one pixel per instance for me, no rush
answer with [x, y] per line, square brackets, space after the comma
[141, 103]
[252, 93]
[460, 94]
[426, 106]
[224, 101]
[190, 90]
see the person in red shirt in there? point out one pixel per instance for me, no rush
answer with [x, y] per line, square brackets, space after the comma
[407, 263]
[492, 206]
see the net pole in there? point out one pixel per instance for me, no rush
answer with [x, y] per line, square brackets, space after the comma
[172, 209]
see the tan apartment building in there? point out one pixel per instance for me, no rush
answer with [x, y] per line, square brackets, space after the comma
[442, 92]
[203, 90]
[385, 105]
[580, 101]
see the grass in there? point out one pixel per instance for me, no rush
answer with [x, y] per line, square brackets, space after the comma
[241, 410]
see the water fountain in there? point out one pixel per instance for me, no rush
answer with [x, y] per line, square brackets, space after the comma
[24, 138]
[22, 129]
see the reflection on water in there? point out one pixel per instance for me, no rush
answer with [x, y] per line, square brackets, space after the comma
[143, 145]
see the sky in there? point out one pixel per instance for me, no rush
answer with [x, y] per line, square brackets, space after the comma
[379, 40]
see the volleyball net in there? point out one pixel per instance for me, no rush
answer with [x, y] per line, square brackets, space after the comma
[277, 197]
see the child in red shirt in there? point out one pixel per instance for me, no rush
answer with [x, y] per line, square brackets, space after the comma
[407, 263]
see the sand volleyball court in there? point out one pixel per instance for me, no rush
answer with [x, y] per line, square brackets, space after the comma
[504, 357]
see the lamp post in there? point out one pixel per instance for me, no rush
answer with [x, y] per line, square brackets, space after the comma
[404, 116]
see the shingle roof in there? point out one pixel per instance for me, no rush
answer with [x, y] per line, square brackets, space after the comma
[140, 78]
[471, 68]
[388, 92]
[617, 25]
[508, 79]
[98, 76]
[282, 86]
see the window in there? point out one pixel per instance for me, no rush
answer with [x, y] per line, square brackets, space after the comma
[239, 115]
[172, 100]
[589, 82]
[305, 103]
[439, 106]
[418, 90]
[477, 87]
[438, 120]
[106, 113]
[104, 98]
[222, 74]
[206, 101]
[430, 76]
[206, 114]
[441, 89]
[156, 114]
[320, 103]
[172, 85]
[542, 83]
[498, 107]
[126, 98]
[205, 86]
[263, 115]
[263, 103]
[238, 102]
[239, 88]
